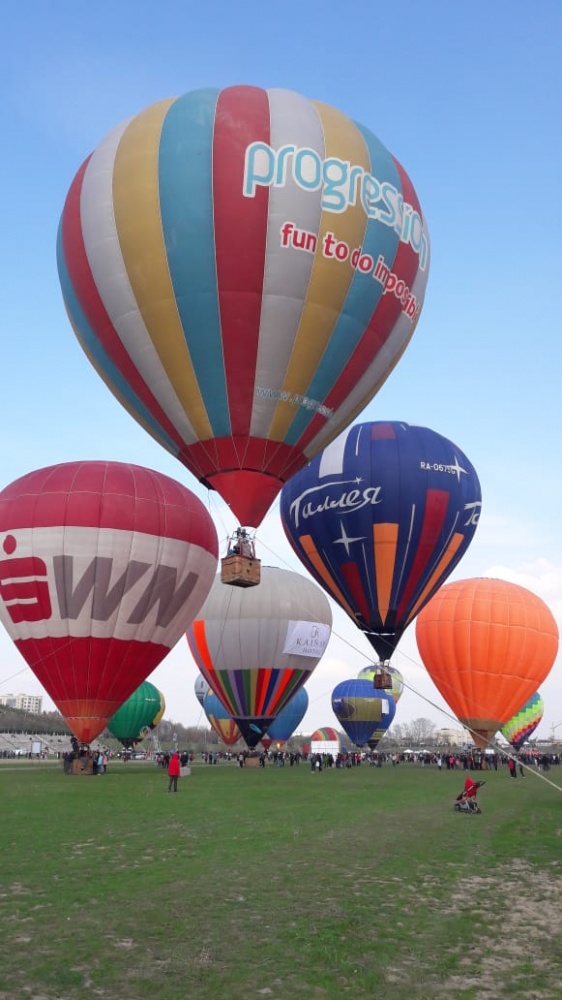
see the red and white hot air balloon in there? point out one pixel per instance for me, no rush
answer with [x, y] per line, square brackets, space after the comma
[103, 566]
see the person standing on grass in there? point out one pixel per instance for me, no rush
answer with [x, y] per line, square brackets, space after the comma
[512, 767]
[174, 772]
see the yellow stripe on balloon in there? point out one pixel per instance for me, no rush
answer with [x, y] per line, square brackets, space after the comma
[311, 552]
[330, 278]
[385, 540]
[137, 216]
[440, 569]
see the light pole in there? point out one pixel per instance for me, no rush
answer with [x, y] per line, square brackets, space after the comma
[553, 730]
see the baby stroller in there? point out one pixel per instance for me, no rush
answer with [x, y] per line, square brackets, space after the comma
[466, 801]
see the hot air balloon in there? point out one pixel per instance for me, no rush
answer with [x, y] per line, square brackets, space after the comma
[156, 720]
[326, 734]
[487, 645]
[244, 268]
[324, 740]
[397, 681]
[257, 647]
[220, 720]
[104, 566]
[135, 718]
[201, 688]
[523, 724]
[284, 724]
[380, 519]
[360, 710]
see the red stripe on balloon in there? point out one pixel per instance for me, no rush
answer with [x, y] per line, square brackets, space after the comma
[436, 504]
[86, 292]
[355, 590]
[262, 686]
[242, 117]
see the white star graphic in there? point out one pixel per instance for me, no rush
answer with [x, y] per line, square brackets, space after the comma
[346, 540]
[458, 469]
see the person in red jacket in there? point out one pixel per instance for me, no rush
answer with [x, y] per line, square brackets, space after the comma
[174, 772]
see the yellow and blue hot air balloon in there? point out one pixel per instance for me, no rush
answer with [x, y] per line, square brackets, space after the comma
[243, 268]
[361, 710]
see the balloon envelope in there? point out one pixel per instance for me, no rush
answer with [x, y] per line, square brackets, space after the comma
[220, 720]
[380, 519]
[243, 268]
[368, 674]
[326, 734]
[159, 713]
[104, 566]
[360, 709]
[201, 688]
[523, 724]
[136, 715]
[257, 646]
[284, 724]
[487, 645]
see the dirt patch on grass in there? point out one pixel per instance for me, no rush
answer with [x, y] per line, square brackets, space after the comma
[519, 911]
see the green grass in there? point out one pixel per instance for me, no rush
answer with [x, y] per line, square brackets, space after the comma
[278, 884]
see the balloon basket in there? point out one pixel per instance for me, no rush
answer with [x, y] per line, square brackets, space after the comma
[82, 765]
[382, 680]
[240, 571]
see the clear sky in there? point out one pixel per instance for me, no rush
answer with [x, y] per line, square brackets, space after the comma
[467, 96]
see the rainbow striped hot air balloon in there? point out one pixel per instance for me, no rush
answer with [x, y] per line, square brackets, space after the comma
[326, 734]
[257, 647]
[244, 268]
[523, 724]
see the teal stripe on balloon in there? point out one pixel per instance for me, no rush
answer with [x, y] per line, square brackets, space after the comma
[186, 204]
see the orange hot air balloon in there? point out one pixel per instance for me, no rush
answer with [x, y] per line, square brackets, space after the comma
[487, 645]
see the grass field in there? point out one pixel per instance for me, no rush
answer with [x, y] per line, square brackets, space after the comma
[278, 884]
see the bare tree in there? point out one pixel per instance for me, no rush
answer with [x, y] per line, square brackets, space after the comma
[420, 731]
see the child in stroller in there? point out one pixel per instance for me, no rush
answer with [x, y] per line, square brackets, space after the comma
[466, 801]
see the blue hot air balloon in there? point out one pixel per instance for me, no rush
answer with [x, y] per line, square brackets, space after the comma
[361, 710]
[283, 727]
[380, 519]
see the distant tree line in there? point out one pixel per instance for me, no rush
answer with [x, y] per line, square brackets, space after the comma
[15, 720]
[18, 720]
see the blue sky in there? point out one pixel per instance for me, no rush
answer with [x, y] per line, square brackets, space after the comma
[467, 97]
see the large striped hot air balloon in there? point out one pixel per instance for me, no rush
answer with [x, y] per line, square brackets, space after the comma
[244, 268]
[103, 567]
[256, 647]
